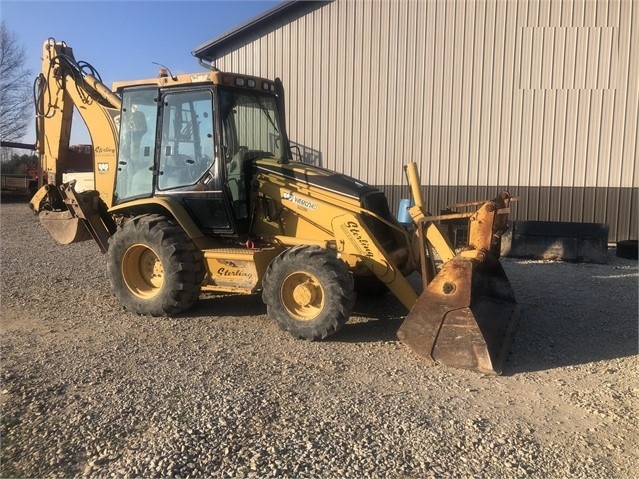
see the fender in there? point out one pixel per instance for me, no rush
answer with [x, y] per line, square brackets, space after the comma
[171, 206]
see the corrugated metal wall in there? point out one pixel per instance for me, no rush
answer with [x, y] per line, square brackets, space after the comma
[537, 97]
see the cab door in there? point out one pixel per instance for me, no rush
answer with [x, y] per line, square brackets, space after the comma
[136, 146]
[189, 162]
[186, 146]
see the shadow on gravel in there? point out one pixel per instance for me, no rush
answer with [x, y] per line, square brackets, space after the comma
[227, 305]
[374, 319]
[371, 331]
[572, 314]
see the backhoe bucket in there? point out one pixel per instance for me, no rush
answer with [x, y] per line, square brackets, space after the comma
[466, 316]
[64, 227]
[71, 217]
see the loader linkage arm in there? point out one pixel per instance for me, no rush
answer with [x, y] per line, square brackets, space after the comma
[353, 237]
[485, 228]
[467, 312]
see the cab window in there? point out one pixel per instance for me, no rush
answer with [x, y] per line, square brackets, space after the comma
[136, 147]
[186, 148]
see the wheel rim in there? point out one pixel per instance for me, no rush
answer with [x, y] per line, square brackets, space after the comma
[142, 271]
[302, 295]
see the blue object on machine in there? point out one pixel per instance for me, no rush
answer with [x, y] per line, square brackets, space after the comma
[402, 213]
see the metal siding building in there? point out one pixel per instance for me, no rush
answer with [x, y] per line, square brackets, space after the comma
[537, 97]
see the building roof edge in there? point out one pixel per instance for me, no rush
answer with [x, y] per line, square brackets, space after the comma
[209, 50]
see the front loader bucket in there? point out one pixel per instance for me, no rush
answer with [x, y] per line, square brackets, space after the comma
[465, 318]
[64, 227]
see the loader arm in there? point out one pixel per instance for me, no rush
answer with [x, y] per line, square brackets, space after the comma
[467, 313]
[354, 238]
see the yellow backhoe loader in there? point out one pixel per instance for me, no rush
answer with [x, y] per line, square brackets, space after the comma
[196, 191]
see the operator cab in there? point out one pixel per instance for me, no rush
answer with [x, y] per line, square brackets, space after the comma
[196, 144]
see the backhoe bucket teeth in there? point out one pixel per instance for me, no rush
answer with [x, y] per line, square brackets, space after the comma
[465, 318]
[63, 227]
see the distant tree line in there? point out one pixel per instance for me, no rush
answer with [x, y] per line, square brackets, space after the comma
[20, 165]
[16, 92]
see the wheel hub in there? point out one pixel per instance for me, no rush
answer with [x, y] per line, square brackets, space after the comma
[142, 271]
[304, 294]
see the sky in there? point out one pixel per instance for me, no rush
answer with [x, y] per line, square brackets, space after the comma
[122, 38]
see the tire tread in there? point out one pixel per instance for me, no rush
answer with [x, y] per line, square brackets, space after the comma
[184, 268]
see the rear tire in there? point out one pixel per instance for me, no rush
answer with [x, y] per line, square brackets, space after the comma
[308, 292]
[154, 267]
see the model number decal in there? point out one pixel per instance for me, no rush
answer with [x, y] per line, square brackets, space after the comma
[299, 201]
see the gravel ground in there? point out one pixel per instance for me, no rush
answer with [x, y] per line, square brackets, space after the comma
[91, 390]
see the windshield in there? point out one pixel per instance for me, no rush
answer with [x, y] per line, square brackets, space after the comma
[250, 122]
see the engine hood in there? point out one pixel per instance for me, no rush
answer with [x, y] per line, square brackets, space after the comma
[317, 177]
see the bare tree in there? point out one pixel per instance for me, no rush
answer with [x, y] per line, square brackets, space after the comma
[15, 87]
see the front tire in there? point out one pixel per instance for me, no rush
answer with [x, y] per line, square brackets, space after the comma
[153, 267]
[308, 292]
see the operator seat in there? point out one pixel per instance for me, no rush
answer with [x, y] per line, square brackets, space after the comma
[235, 183]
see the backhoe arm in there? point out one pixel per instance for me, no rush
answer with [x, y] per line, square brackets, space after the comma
[64, 84]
